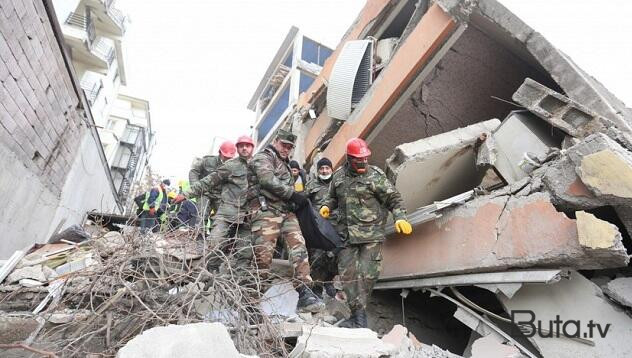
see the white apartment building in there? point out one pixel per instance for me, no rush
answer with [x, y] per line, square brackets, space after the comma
[127, 142]
[93, 31]
[292, 70]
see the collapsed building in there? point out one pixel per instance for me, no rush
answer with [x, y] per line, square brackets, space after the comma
[514, 164]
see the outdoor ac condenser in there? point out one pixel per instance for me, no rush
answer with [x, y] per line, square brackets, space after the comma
[350, 78]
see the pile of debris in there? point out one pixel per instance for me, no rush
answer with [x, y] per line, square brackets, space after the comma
[93, 291]
[95, 295]
[551, 201]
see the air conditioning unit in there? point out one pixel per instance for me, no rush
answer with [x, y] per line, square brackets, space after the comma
[350, 78]
[385, 49]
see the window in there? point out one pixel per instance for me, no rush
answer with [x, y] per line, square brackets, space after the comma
[304, 82]
[122, 157]
[314, 52]
[274, 114]
[130, 135]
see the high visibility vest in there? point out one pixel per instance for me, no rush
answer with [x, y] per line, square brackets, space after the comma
[158, 200]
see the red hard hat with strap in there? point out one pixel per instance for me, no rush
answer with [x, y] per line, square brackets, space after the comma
[357, 148]
[244, 139]
[227, 149]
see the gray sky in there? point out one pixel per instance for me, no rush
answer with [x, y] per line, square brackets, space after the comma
[198, 62]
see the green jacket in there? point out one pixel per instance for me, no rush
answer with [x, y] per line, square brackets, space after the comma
[317, 191]
[202, 168]
[362, 202]
[231, 178]
[269, 176]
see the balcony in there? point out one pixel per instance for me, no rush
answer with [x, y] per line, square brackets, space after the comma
[115, 20]
[80, 34]
[92, 89]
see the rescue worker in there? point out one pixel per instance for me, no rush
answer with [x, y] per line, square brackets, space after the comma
[299, 176]
[272, 201]
[230, 219]
[205, 166]
[322, 263]
[362, 193]
[183, 212]
[155, 204]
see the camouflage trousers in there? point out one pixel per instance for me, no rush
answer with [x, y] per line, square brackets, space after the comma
[267, 228]
[359, 267]
[233, 240]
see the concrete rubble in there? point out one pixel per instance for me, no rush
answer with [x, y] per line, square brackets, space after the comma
[529, 215]
[620, 290]
[191, 340]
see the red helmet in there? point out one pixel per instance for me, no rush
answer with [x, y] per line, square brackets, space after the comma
[244, 139]
[358, 148]
[227, 149]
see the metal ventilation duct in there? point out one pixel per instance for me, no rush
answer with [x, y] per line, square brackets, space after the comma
[350, 78]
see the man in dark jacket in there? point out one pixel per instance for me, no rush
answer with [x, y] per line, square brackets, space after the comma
[323, 263]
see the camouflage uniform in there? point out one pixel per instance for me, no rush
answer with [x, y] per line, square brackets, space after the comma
[230, 219]
[269, 178]
[323, 263]
[199, 170]
[362, 201]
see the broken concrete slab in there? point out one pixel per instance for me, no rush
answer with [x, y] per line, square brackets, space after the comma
[280, 300]
[489, 347]
[605, 167]
[491, 234]
[444, 165]
[190, 340]
[16, 328]
[566, 188]
[520, 140]
[596, 234]
[321, 342]
[109, 243]
[620, 290]
[577, 303]
[407, 345]
[556, 109]
[32, 272]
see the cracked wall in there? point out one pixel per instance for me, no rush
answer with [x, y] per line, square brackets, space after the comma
[458, 92]
[492, 233]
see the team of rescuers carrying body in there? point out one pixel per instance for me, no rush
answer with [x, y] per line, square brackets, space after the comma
[253, 199]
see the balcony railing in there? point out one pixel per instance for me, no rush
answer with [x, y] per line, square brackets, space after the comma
[115, 14]
[104, 50]
[92, 90]
[83, 22]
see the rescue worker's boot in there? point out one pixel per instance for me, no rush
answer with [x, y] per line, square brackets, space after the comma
[308, 301]
[357, 320]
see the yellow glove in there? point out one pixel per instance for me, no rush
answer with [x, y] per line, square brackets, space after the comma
[403, 226]
[324, 212]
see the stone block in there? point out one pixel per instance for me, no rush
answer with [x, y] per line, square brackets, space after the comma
[324, 342]
[190, 340]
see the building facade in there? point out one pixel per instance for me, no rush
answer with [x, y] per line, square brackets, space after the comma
[127, 142]
[296, 64]
[54, 169]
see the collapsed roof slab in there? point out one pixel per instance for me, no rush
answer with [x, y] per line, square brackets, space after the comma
[496, 233]
[500, 23]
[438, 167]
